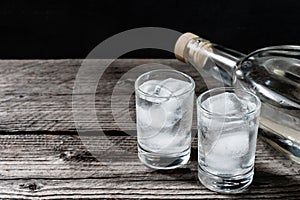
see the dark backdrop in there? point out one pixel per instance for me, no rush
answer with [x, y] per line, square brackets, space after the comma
[71, 29]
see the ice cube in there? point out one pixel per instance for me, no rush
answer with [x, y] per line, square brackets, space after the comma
[163, 108]
[165, 88]
[165, 142]
[151, 116]
[173, 107]
[225, 103]
[153, 91]
[160, 111]
[176, 86]
[226, 153]
[232, 145]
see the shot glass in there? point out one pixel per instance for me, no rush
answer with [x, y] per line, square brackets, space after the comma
[228, 122]
[164, 109]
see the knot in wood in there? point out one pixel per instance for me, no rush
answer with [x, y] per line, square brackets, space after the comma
[77, 155]
[30, 186]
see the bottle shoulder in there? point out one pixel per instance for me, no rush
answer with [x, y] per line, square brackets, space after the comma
[272, 79]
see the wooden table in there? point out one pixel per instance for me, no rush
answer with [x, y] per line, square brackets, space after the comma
[42, 155]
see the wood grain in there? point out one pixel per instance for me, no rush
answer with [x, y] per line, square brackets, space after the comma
[60, 166]
[42, 157]
[37, 94]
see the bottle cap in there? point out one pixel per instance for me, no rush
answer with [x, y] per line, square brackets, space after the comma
[181, 43]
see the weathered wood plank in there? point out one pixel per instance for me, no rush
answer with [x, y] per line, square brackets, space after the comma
[37, 94]
[60, 166]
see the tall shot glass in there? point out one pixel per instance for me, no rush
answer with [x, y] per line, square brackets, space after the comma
[164, 108]
[228, 122]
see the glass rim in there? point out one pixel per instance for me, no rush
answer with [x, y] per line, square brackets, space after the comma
[137, 89]
[250, 112]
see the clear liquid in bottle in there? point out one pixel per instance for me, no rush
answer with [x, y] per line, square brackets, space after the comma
[272, 73]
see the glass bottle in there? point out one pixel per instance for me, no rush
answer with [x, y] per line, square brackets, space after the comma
[272, 73]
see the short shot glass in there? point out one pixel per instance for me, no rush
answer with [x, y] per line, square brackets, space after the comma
[228, 122]
[164, 110]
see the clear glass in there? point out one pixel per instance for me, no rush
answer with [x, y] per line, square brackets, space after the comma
[272, 73]
[228, 122]
[164, 109]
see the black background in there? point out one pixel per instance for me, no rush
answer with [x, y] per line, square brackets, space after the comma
[71, 29]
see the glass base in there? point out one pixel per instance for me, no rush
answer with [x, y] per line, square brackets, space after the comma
[163, 161]
[235, 184]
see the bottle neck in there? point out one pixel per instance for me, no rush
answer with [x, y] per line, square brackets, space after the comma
[198, 50]
[219, 61]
